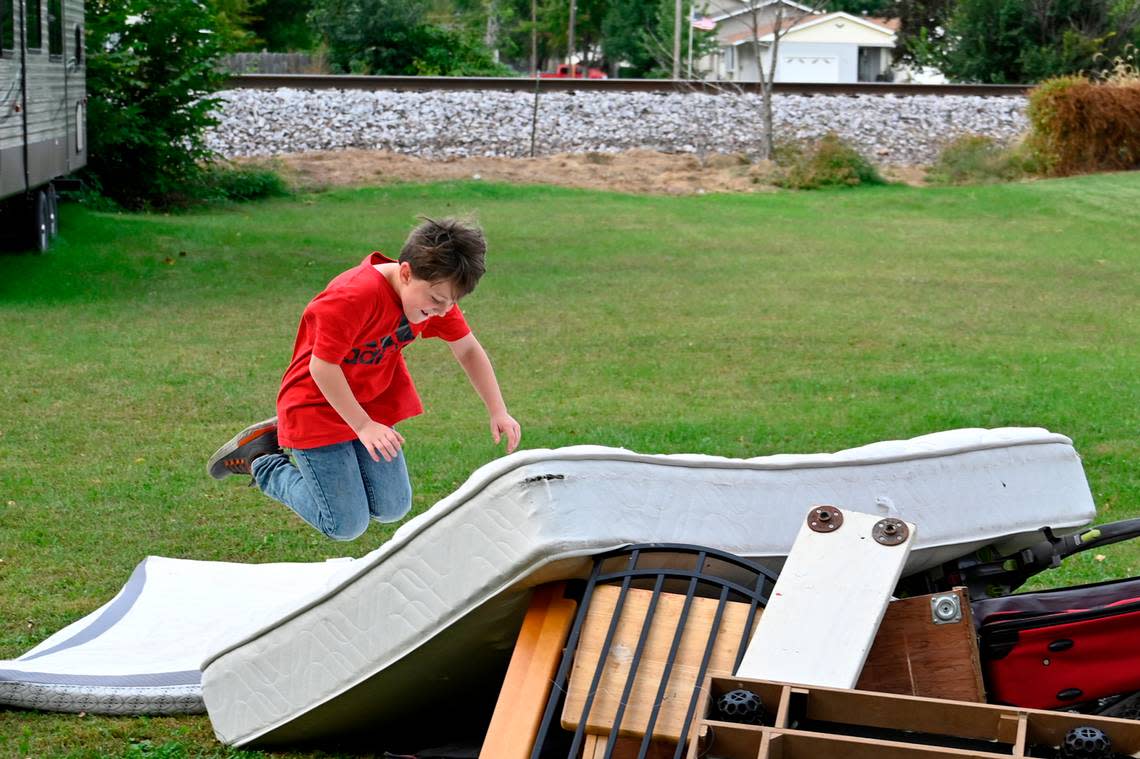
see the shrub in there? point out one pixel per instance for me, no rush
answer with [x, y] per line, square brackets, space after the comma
[1078, 126]
[977, 159]
[215, 182]
[830, 162]
[449, 52]
[392, 37]
[150, 73]
[228, 182]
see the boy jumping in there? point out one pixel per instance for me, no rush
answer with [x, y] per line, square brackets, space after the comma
[348, 386]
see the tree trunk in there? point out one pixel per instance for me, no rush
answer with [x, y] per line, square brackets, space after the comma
[491, 35]
[768, 145]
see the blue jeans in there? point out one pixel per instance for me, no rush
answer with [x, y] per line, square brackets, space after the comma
[337, 488]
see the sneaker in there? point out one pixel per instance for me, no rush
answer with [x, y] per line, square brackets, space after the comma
[235, 456]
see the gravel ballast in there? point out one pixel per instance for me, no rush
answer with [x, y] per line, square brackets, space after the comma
[454, 124]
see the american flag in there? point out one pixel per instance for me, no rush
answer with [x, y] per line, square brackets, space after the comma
[703, 22]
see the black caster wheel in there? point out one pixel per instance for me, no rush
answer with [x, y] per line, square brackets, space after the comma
[1086, 742]
[741, 706]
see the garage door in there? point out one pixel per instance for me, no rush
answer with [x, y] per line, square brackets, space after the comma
[808, 68]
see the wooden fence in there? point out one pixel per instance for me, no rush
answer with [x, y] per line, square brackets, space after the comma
[273, 63]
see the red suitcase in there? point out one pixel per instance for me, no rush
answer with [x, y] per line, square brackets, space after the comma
[1061, 647]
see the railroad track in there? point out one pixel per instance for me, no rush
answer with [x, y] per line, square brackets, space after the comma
[527, 84]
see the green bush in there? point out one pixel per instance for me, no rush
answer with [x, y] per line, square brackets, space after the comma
[829, 162]
[234, 183]
[392, 37]
[448, 52]
[150, 73]
[210, 183]
[977, 159]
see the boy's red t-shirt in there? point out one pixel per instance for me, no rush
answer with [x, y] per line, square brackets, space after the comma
[358, 322]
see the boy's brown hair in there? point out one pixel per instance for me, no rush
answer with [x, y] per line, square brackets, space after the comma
[449, 250]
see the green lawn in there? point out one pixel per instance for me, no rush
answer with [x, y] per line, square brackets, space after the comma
[732, 325]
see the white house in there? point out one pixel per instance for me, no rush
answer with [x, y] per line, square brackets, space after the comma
[814, 47]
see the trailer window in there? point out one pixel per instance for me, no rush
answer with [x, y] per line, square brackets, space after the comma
[55, 27]
[7, 27]
[78, 45]
[35, 25]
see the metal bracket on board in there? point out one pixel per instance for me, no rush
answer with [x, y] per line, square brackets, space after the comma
[890, 532]
[825, 519]
[945, 609]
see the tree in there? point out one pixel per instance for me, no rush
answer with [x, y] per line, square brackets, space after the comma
[151, 70]
[656, 38]
[282, 25]
[450, 52]
[503, 25]
[370, 36]
[880, 8]
[394, 37]
[233, 20]
[554, 24]
[785, 17]
[623, 28]
[922, 31]
[1015, 41]
[626, 37]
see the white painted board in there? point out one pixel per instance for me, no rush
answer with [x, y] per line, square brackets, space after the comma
[826, 606]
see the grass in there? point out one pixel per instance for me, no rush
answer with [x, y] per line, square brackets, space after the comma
[732, 325]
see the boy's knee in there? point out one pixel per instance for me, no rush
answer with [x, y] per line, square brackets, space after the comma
[396, 507]
[394, 502]
[345, 529]
[405, 505]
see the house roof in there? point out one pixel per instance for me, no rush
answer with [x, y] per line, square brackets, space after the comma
[765, 34]
[748, 7]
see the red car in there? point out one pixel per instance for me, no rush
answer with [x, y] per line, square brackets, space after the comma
[580, 72]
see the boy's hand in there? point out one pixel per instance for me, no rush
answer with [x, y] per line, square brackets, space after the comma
[505, 424]
[380, 440]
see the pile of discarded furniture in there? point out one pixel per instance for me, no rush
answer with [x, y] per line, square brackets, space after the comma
[689, 653]
[595, 602]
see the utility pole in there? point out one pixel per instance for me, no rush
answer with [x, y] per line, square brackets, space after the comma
[570, 36]
[676, 38]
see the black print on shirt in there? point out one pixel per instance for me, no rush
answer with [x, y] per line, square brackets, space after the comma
[373, 352]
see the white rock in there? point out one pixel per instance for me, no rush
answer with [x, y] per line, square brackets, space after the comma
[435, 124]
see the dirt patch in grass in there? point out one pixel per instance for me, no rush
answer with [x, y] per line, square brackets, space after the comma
[915, 176]
[635, 171]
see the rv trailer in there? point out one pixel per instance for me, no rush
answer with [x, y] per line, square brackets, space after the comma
[43, 103]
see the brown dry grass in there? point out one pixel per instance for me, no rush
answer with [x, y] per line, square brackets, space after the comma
[1083, 127]
[635, 171]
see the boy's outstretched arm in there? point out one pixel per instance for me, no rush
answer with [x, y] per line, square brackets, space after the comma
[471, 356]
[378, 439]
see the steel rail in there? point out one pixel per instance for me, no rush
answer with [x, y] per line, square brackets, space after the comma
[527, 84]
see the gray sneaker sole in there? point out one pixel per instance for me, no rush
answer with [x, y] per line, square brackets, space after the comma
[215, 467]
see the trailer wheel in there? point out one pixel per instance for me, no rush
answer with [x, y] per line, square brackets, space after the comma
[52, 211]
[41, 225]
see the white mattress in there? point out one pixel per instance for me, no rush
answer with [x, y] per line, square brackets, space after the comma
[139, 653]
[435, 609]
